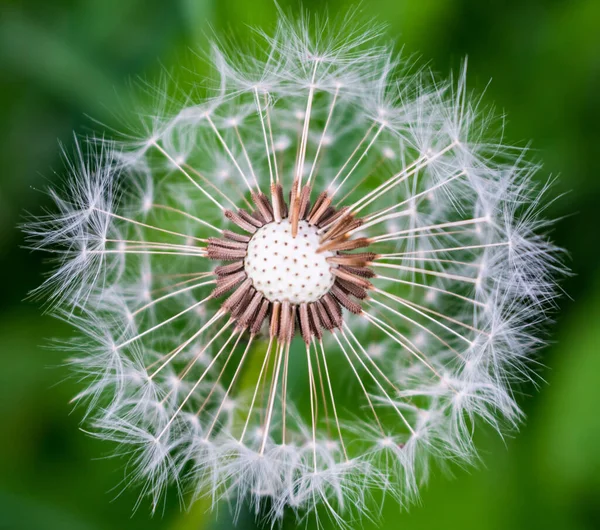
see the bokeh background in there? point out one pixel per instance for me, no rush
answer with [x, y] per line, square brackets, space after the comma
[64, 60]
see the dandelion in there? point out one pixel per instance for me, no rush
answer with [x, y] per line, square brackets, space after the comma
[301, 288]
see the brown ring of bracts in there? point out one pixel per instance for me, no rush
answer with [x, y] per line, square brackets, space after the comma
[249, 307]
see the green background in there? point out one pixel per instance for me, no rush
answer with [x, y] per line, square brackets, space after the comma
[61, 60]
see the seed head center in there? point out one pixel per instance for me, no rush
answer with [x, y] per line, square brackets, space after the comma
[285, 268]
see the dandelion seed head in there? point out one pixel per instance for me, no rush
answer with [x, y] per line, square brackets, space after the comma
[328, 217]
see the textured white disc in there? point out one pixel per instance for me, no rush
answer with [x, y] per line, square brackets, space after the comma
[284, 268]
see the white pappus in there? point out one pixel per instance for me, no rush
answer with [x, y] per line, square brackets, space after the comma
[299, 288]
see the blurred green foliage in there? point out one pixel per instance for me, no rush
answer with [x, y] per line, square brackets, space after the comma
[65, 59]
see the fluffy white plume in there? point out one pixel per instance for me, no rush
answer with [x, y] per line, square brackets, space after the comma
[423, 331]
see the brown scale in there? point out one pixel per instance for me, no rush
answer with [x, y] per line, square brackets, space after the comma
[249, 308]
[315, 323]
